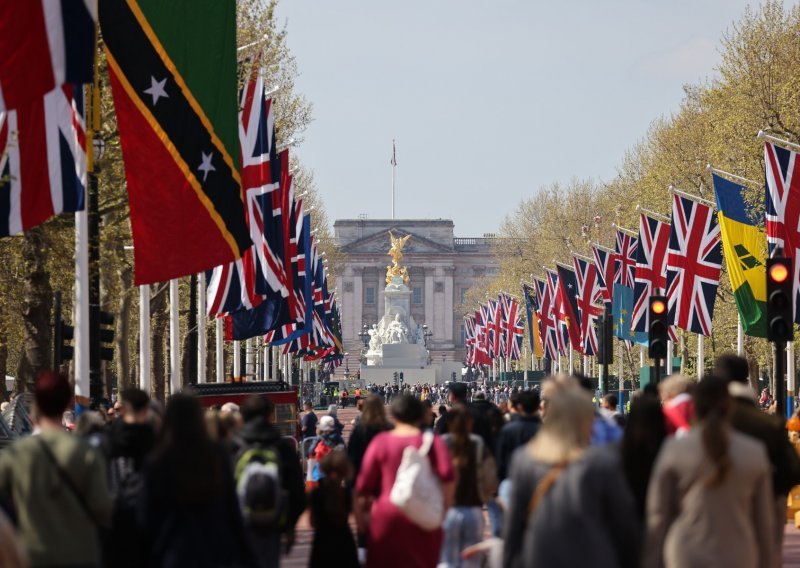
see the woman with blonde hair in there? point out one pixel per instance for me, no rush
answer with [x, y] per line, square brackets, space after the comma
[561, 488]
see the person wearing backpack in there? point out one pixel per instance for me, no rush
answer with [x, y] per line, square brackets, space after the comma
[129, 442]
[401, 511]
[269, 482]
[463, 525]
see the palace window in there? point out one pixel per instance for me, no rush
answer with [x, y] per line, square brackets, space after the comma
[369, 296]
[417, 296]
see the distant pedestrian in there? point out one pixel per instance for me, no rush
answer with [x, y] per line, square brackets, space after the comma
[308, 423]
[678, 404]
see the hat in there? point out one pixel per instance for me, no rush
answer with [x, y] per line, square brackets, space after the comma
[230, 407]
[326, 424]
[459, 390]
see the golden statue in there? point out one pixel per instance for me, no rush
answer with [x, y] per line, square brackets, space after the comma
[396, 252]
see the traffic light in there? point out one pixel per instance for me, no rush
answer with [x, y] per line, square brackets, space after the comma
[106, 334]
[780, 312]
[395, 377]
[658, 329]
[401, 377]
[605, 339]
[453, 376]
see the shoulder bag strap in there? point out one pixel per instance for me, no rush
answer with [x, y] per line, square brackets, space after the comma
[543, 487]
[427, 442]
[67, 481]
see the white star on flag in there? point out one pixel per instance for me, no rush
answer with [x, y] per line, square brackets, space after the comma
[206, 166]
[156, 89]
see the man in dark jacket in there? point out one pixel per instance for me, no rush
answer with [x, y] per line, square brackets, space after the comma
[523, 426]
[128, 444]
[258, 414]
[748, 419]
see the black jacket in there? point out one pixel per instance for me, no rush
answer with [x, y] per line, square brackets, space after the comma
[487, 420]
[748, 419]
[259, 432]
[126, 447]
[513, 435]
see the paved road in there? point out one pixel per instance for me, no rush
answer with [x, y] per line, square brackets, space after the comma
[302, 550]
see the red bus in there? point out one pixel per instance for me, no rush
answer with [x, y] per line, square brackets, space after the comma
[283, 395]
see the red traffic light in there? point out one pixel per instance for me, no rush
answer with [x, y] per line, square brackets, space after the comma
[658, 306]
[778, 273]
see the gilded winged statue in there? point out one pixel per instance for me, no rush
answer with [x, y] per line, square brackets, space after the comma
[396, 252]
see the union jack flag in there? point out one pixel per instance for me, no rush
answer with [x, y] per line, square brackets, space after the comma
[651, 267]
[604, 264]
[625, 259]
[589, 295]
[783, 208]
[42, 160]
[512, 326]
[694, 262]
[559, 315]
[494, 322]
[547, 322]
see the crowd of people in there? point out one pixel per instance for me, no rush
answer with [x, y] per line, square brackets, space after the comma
[695, 474]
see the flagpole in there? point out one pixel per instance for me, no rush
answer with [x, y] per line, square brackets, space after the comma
[653, 214]
[780, 142]
[219, 350]
[723, 173]
[174, 338]
[620, 380]
[274, 363]
[673, 190]
[144, 338]
[669, 358]
[629, 232]
[394, 164]
[571, 363]
[248, 357]
[237, 360]
[739, 336]
[80, 315]
[789, 379]
[700, 356]
[265, 366]
[202, 339]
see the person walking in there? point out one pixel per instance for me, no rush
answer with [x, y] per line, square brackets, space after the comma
[562, 487]
[521, 428]
[57, 483]
[260, 442]
[308, 423]
[393, 540]
[373, 421]
[129, 443]
[710, 500]
[189, 512]
[331, 503]
[463, 525]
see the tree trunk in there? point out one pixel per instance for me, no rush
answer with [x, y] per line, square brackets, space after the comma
[37, 301]
[123, 321]
[158, 309]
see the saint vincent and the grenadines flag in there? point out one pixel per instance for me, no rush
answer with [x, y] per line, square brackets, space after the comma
[173, 76]
[745, 248]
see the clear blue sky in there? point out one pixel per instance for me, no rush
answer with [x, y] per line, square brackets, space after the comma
[488, 100]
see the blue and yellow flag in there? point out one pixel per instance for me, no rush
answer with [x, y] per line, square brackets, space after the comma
[745, 247]
[622, 312]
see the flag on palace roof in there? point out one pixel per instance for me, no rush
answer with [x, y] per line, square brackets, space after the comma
[783, 208]
[694, 263]
[46, 44]
[744, 245]
[42, 159]
[172, 67]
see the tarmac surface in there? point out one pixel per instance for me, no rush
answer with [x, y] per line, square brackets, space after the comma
[301, 552]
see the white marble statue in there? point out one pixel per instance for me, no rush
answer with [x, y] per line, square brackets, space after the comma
[374, 339]
[396, 331]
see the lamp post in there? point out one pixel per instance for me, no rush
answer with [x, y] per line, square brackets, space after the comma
[426, 335]
[346, 365]
[93, 210]
[364, 336]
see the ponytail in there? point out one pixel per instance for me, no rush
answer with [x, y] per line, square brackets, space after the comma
[712, 403]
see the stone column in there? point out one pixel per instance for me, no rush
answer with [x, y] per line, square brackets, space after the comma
[428, 297]
[449, 300]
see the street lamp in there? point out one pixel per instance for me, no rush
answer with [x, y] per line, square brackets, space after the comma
[364, 335]
[99, 146]
[346, 365]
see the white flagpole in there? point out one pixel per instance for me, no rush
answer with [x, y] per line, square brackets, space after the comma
[174, 338]
[669, 357]
[248, 357]
[289, 368]
[789, 378]
[394, 165]
[265, 365]
[700, 356]
[642, 358]
[739, 337]
[219, 349]
[571, 363]
[81, 308]
[144, 338]
[274, 363]
[202, 339]
[237, 360]
[620, 368]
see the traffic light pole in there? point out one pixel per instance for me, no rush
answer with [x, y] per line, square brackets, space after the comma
[780, 378]
[656, 371]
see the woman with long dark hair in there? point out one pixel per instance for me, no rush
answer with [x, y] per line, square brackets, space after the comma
[710, 499]
[373, 421]
[463, 525]
[189, 511]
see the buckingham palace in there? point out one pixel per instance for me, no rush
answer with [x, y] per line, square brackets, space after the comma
[441, 268]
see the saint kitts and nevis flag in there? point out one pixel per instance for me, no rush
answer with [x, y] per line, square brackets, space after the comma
[745, 248]
[173, 76]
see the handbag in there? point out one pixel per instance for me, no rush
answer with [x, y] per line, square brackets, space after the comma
[417, 491]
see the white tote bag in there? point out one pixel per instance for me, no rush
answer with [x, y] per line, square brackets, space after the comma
[417, 490]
